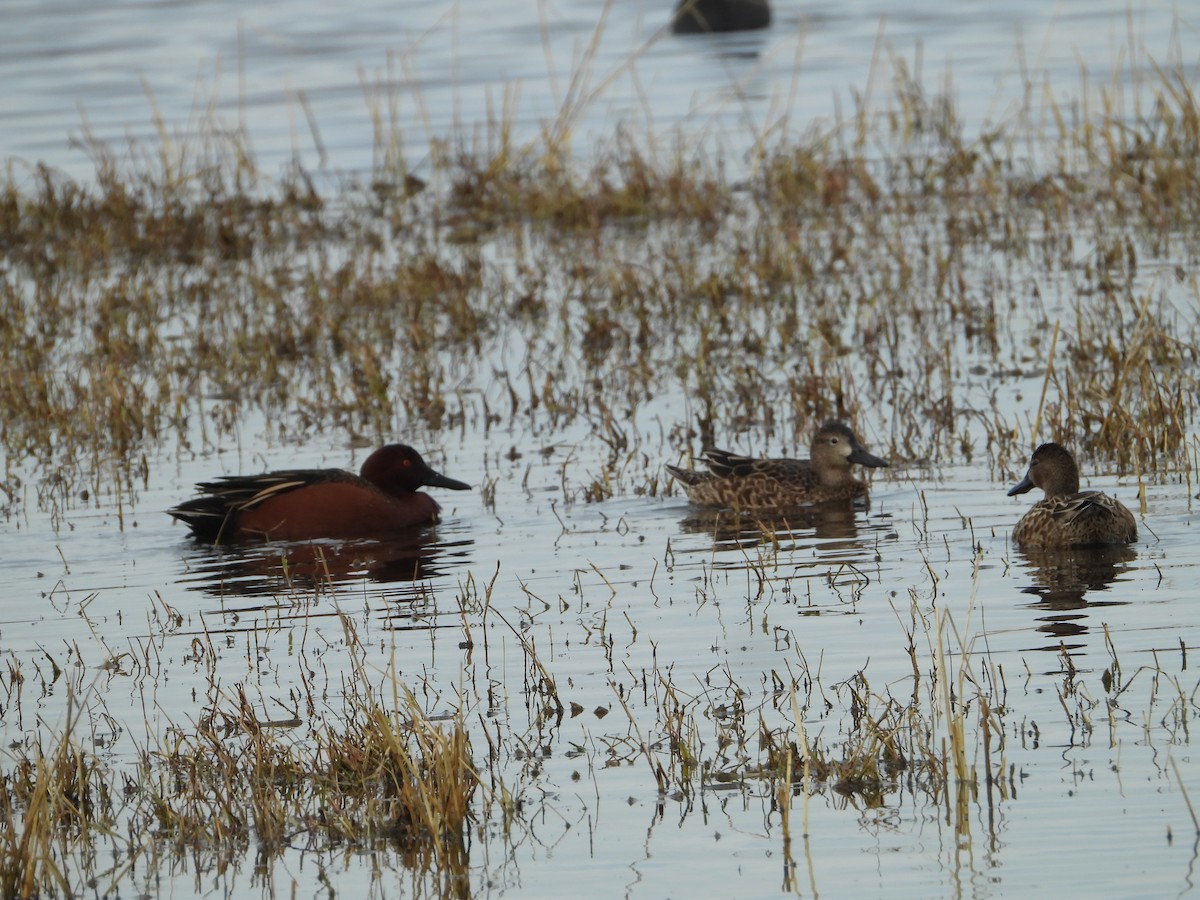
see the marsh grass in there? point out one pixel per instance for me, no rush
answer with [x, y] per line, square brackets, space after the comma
[378, 777]
[887, 263]
[940, 735]
[360, 767]
[373, 774]
[56, 806]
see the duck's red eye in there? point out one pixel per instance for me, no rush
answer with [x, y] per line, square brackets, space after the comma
[408, 463]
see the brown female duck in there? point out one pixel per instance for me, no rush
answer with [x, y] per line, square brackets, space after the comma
[1067, 516]
[742, 482]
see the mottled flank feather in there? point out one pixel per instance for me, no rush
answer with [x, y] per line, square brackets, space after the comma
[1067, 516]
[743, 482]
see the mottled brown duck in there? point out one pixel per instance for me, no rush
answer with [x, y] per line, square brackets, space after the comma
[743, 482]
[1067, 516]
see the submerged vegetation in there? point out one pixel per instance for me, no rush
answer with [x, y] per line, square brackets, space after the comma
[958, 297]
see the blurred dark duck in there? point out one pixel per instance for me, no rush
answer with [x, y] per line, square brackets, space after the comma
[705, 16]
[1067, 516]
[742, 482]
[306, 504]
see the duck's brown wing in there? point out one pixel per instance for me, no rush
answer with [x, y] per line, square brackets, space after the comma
[795, 472]
[687, 476]
[724, 464]
[1072, 507]
[211, 513]
[1096, 516]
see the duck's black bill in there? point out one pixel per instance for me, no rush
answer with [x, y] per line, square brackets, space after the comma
[1025, 486]
[863, 458]
[437, 479]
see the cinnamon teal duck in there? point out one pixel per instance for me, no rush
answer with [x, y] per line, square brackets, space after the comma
[306, 504]
[1067, 516]
[742, 482]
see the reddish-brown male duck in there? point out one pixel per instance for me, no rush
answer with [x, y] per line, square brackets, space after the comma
[307, 504]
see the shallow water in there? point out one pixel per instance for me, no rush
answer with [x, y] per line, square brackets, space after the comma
[331, 90]
[621, 596]
[618, 594]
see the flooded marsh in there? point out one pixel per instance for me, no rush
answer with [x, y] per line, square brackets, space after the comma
[577, 676]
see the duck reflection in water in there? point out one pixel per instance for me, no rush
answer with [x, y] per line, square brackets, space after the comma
[1070, 581]
[271, 569]
[835, 526]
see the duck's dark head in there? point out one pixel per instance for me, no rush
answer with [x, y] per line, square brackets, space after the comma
[399, 469]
